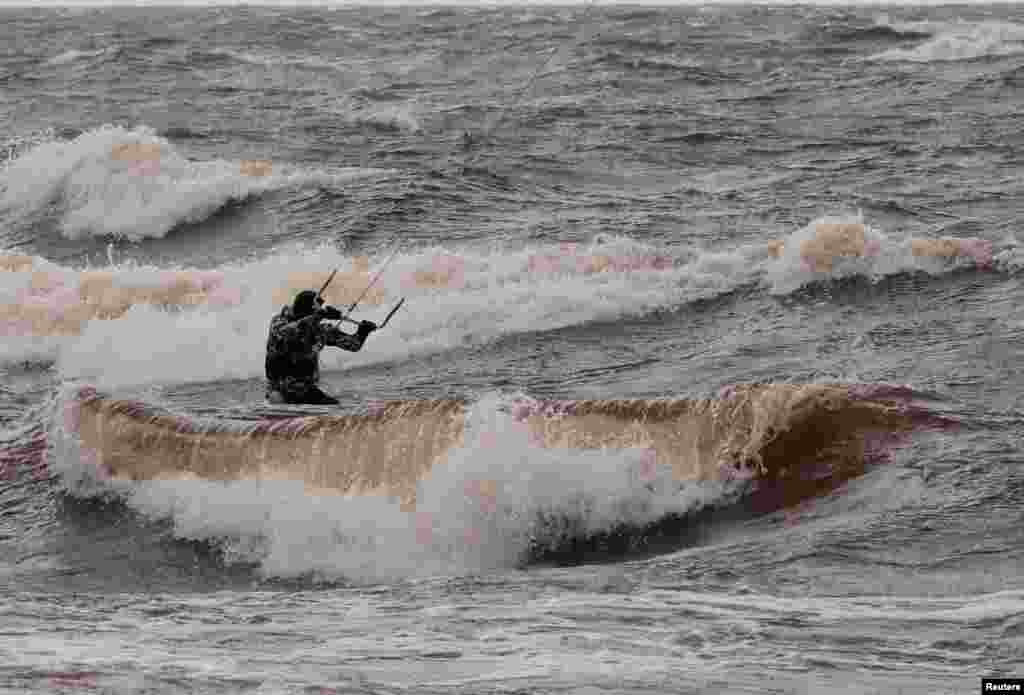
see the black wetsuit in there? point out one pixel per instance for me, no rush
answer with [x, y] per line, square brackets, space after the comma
[293, 355]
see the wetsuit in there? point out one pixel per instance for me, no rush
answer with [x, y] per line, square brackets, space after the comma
[293, 355]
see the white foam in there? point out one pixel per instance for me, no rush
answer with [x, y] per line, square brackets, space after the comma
[72, 55]
[276, 59]
[389, 117]
[959, 40]
[1011, 255]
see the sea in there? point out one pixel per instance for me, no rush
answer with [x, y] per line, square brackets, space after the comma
[577, 203]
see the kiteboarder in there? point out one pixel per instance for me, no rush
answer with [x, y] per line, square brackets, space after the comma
[293, 348]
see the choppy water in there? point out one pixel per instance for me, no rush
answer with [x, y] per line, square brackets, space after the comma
[672, 144]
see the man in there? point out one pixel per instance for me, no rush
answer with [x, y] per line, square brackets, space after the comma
[293, 348]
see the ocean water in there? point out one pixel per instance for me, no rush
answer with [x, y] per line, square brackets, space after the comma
[577, 205]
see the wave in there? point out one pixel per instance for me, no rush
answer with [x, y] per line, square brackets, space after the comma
[132, 184]
[183, 133]
[387, 119]
[222, 56]
[161, 42]
[631, 15]
[415, 486]
[273, 61]
[549, 291]
[682, 68]
[700, 137]
[881, 31]
[73, 56]
[531, 18]
[836, 247]
[180, 317]
[637, 44]
[389, 93]
[961, 40]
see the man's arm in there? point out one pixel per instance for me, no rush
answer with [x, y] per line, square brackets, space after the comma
[288, 329]
[334, 336]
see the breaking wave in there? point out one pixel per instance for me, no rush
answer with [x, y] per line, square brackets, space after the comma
[436, 486]
[134, 184]
[951, 41]
[456, 296]
[396, 118]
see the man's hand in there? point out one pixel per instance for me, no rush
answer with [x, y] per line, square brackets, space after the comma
[367, 327]
[330, 313]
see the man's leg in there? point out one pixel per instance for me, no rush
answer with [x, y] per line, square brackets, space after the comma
[310, 395]
[298, 392]
[317, 397]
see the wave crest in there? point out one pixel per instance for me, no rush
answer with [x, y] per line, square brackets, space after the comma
[131, 184]
[416, 487]
[954, 41]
